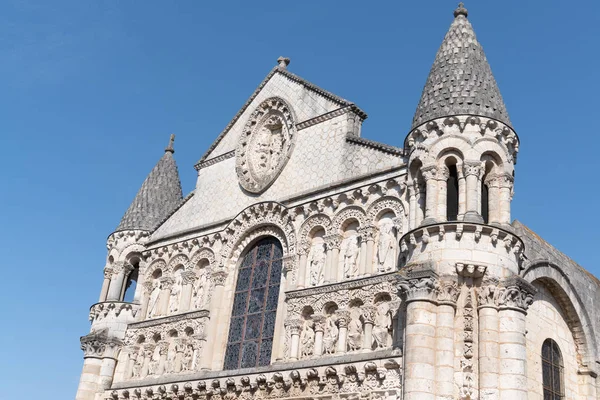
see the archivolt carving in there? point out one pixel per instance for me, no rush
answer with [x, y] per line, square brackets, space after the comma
[157, 264]
[204, 253]
[321, 220]
[352, 212]
[179, 259]
[269, 215]
[386, 203]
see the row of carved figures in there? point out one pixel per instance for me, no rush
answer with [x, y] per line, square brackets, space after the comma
[352, 255]
[369, 327]
[185, 291]
[164, 357]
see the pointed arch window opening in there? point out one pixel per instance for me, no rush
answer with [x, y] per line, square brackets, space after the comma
[552, 371]
[252, 324]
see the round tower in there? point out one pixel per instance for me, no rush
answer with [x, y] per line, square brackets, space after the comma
[119, 302]
[462, 257]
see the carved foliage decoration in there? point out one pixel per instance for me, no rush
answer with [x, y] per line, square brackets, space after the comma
[319, 220]
[265, 144]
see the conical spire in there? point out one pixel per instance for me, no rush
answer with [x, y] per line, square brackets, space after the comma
[460, 80]
[159, 195]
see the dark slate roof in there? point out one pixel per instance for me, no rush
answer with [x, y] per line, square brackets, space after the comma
[159, 195]
[460, 80]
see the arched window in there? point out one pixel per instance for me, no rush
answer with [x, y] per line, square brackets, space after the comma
[552, 371]
[485, 201]
[452, 194]
[254, 307]
[131, 283]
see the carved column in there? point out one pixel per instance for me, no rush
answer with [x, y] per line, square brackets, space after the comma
[145, 299]
[444, 342]
[368, 313]
[319, 321]
[412, 205]
[343, 318]
[368, 234]
[489, 346]
[218, 278]
[362, 262]
[99, 353]
[302, 272]
[515, 297]
[290, 269]
[442, 182]
[188, 279]
[333, 258]
[431, 197]
[419, 292]
[108, 272]
[472, 171]
[117, 283]
[506, 193]
[294, 326]
[166, 283]
[492, 181]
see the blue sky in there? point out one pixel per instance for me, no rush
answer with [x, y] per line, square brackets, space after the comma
[91, 91]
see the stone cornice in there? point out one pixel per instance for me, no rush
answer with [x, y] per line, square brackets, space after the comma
[348, 285]
[375, 145]
[170, 319]
[215, 160]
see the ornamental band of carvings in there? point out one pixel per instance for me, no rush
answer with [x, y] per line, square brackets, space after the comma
[265, 144]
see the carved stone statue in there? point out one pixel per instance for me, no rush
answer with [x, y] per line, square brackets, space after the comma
[382, 329]
[139, 362]
[316, 262]
[188, 354]
[267, 148]
[153, 302]
[175, 294]
[307, 339]
[355, 331]
[330, 336]
[154, 361]
[351, 251]
[171, 354]
[386, 246]
[200, 290]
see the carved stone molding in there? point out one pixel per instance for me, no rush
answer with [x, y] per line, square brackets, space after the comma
[516, 293]
[294, 325]
[219, 277]
[99, 345]
[420, 285]
[472, 167]
[447, 292]
[113, 309]
[333, 241]
[470, 270]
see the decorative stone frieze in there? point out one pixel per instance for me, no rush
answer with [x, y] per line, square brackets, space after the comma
[113, 309]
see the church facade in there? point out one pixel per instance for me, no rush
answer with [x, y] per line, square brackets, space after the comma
[312, 263]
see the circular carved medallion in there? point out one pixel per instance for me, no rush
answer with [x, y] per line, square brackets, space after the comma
[265, 145]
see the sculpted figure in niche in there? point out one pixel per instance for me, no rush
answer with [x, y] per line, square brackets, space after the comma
[153, 302]
[351, 249]
[316, 262]
[386, 246]
[188, 354]
[171, 353]
[200, 290]
[382, 329]
[139, 361]
[355, 330]
[175, 292]
[268, 147]
[154, 360]
[330, 336]
[307, 339]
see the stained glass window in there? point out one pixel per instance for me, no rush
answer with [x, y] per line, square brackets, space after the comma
[254, 305]
[552, 371]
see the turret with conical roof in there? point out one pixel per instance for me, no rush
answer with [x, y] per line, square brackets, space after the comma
[460, 81]
[159, 195]
[462, 148]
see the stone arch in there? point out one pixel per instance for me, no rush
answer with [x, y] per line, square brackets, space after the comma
[559, 285]
[203, 254]
[487, 145]
[268, 218]
[124, 253]
[158, 264]
[253, 236]
[351, 212]
[179, 259]
[315, 221]
[385, 204]
[456, 143]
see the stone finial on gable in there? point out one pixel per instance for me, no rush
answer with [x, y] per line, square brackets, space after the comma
[283, 62]
[170, 148]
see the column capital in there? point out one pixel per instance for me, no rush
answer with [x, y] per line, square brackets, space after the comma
[343, 318]
[319, 320]
[419, 285]
[369, 232]
[488, 294]
[148, 285]
[294, 325]
[166, 282]
[99, 345]
[333, 241]
[108, 272]
[219, 277]
[290, 263]
[429, 171]
[448, 292]
[369, 313]
[472, 167]
[516, 293]
[188, 277]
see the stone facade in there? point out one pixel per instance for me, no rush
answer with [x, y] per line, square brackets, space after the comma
[310, 262]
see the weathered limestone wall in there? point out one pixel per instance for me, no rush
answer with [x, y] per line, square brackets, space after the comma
[546, 320]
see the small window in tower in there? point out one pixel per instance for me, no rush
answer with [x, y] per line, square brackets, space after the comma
[485, 213]
[552, 371]
[452, 194]
[131, 284]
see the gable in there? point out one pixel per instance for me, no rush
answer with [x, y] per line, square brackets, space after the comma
[308, 101]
